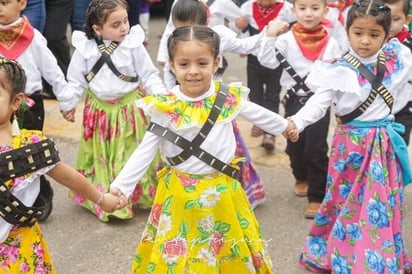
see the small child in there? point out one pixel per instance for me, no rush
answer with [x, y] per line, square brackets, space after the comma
[25, 156]
[107, 64]
[295, 53]
[399, 29]
[201, 221]
[358, 228]
[20, 41]
[262, 81]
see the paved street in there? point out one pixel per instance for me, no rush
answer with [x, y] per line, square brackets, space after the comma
[80, 243]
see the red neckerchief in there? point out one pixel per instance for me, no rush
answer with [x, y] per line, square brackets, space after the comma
[263, 16]
[312, 42]
[341, 5]
[403, 35]
[14, 40]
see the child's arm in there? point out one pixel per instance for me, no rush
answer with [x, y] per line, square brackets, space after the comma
[136, 165]
[69, 177]
[229, 42]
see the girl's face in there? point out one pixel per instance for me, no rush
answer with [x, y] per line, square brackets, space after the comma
[309, 13]
[366, 36]
[194, 65]
[399, 18]
[116, 26]
[10, 10]
[8, 105]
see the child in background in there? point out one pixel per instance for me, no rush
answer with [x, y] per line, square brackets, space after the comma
[201, 221]
[295, 53]
[20, 41]
[358, 228]
[399, 29]
[337, 14]
[106, 65]
[194, 12]
[262, 81]
[144, 18]
[22, 246]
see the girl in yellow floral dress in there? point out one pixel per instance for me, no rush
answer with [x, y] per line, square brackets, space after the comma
[22, 246]
[201, 220]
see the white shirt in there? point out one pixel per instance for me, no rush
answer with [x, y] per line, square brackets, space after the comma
[339, 85]
[130, 58]
[288, 47]
[338, 30]
[220, 142]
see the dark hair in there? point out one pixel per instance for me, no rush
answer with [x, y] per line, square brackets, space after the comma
[193, 12]
[15, 77]
[97, 13]
[374, 8]
[406, 4]
[196, 32]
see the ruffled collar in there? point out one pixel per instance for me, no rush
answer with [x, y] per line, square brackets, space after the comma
[183, 112]
[368, 60]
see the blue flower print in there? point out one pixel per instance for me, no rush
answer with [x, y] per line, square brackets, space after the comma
[361, 193]
[329, 180]
[340, 265]
[317, 246]
[340, 165]
[375, 261]
[355, 160]
[398, 244]
[377, 213]
[344, 190]
[328, 197]
[392, 266]
[359, 132]
[391, 200]
[338, 231]
[354, 232]
[321, 220]
[377, 172]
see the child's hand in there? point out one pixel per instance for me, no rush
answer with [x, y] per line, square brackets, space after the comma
[69, 115]
[291, 132]
[123, 201]
[276, 27]
[241, 22]
[110, 202]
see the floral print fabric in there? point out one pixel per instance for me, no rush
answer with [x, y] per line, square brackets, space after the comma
[358, 228]
[110, 134]
[201, 224]
[25, 250]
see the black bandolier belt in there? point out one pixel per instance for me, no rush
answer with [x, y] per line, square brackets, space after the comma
[16, 163]
[192, 148]
[377, 87]
[300, 82]
[105, 59]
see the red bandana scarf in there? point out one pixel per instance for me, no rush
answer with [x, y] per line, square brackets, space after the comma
[263, 15]
[403, 35]
[312, 42]
[15, 39]
[341, 5]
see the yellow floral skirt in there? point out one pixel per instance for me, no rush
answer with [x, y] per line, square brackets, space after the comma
[25, 251]
[201, 224]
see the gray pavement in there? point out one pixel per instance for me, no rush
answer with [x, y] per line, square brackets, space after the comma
[80, 243]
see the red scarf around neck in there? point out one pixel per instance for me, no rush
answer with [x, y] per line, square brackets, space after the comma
[263, 15]
[403, 35]
[15, 39]
[341, 5]
[312, 42]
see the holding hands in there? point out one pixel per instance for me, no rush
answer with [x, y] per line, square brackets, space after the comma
[291, 132]
[276, 27]
[110, 203]
[69, 115]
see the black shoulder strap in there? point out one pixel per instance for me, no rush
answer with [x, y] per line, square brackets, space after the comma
[105, 59]
[16, 163]
[376, 83]
[204, 131]
[300, 82]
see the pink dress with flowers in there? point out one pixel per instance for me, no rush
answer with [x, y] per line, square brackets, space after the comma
[24, 250]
